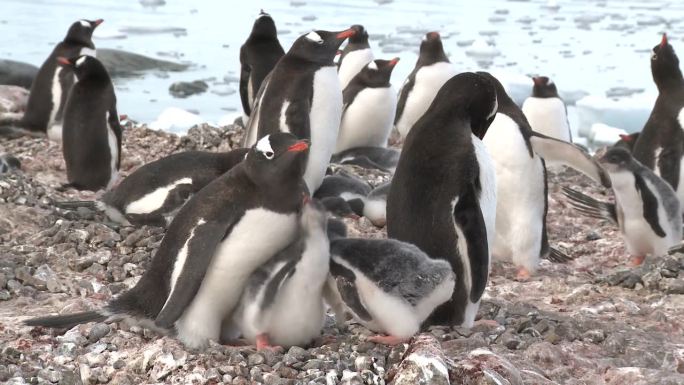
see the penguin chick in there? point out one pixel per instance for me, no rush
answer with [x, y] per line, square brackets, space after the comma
[153, 194]
[369, 105]
[387, 285]
[282, 304]
[646, 208]
[378, 158]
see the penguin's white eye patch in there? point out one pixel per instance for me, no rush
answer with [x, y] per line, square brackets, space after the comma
[550, 83]
[313, 36]
[373, 66]
[80, 61]
[264, 147]
[654, 55]
[84, 23]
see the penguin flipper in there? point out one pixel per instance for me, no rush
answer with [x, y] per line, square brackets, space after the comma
[72, 205]
[669, 163]
[570, 155]
[404, 92]
[650, 205]
[470, 223]
[591, 207]
[345, 281]
[200, 250]
[66, 321]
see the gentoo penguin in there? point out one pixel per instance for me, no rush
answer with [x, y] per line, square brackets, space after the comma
[302, 95]
[91, 141]
[258, 56]
[443, 193]
[627, 141]
[519, 156]
[154, 193]
[355, 56]
[432, 70]
[360, 199]
[224, 233]
[389, 286]
[282, 304]
[546, 111]
[51, 86]
[9, 163]
[369, 105]
[660, 145]
[379, 158]
[646, 208]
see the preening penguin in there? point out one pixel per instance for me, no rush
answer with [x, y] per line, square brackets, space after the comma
[53, 82]
[646, 207]
[154, 193]
[282, 304]
[443, 194]
[92, 134]
[546, 111]
[432, 70]
[302, 95]
[389, 286]
[224, 233]
[369, 105]
[258, 56]
[660, 145]
[355, 55]
[519, 155]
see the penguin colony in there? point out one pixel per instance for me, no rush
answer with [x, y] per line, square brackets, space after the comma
[254, 247]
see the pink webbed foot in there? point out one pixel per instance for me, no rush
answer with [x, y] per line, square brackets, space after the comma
[522, 274]
[262, 343]
[636, 260]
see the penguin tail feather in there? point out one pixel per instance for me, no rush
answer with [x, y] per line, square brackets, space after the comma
[589, 206]
[71, 205]
[66, 321]
[556, 256]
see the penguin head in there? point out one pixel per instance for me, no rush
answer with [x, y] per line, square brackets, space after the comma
[277, 158]
[85, 67]
[377, 73]
[339, 207]
[319, 46]
[360, 35]
[81, 32]
[616, 159]
[431, 50]
[264, 27]
[544, 87]
[665, 64]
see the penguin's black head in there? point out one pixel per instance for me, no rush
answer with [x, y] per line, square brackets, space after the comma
[264, 27]
[81, 32]
[277, 159]
[467, 96]
[665, 65]
[431, 50]
[616, 159]
[339, 207]
[360, 35]
[320, 46]
[85, 67]
[377, 73]
[544, 87]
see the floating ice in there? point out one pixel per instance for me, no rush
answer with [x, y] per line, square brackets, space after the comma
[176, 120]
[480, 49]
[628, 113]
[604, 135]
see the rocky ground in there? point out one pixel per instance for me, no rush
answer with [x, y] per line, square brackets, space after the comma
[591, 321]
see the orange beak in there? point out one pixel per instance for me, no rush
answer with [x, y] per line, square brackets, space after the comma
[302, 145]
[346, 33]
[433, 35]
[63, 60]
[306, 199]
[663, 42]
[625, 137]
[98, 22]
[393, 62]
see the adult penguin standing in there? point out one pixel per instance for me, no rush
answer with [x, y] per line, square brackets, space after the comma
[443, 194]
[355, 56]
[258, 56]
[53, 82]
[660, 146]
[302, 95]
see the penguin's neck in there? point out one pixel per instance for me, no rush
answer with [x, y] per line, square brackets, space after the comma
[670, 82]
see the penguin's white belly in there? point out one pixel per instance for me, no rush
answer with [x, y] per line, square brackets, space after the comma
[352, 64]
[154, 200]
[54, 131]
[297, 315]
[253, 122]
[488, 183]
[88, 51]
[547, 116]
[324, 119]
[427, 82]
[255, 238]
[368, 120]
[113, 153]
[250, 92]
[519, 194]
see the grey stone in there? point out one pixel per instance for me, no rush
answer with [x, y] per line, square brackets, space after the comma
[185, 89]
[673, 286]
[98, 331]
[256, 359]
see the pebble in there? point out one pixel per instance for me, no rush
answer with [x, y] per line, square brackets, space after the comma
[98, 331]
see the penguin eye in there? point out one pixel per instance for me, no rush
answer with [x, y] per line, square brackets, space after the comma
[654, 56]
[269, 154]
